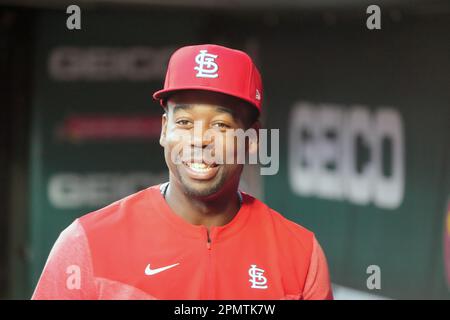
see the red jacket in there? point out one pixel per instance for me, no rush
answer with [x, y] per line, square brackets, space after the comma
[138, 248]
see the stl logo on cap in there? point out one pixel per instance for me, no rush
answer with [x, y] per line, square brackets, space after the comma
[206, 66]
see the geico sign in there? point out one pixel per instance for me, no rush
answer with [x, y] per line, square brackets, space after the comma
[353, 154]
[73, 190]
[105, 63]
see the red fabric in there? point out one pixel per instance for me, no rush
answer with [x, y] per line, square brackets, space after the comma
[114, 245]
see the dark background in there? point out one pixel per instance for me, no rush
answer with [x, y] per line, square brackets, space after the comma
[316, 53]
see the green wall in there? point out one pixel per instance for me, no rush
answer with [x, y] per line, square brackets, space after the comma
[335, 174]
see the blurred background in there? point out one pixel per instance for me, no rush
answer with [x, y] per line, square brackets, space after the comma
[364, 119]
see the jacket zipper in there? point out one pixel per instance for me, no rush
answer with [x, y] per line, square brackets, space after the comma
[210, 284]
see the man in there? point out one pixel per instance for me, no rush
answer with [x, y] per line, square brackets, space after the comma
[197, 236]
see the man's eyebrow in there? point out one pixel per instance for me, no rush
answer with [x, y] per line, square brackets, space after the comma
[187, 107]
[226, 110]
[181, 107]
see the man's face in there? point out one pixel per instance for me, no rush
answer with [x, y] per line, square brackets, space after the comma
[210, 111]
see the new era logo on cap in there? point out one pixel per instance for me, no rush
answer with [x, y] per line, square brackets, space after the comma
[213, 68]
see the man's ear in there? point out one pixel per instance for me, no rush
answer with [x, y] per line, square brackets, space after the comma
[253, 144]
[162, 137]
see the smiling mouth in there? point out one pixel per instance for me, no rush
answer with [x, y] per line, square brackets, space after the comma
[200, 167]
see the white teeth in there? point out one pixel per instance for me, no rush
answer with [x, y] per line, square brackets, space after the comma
[201, 167]
[197, 165]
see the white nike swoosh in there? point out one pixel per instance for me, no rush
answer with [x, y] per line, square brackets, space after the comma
[150, 272]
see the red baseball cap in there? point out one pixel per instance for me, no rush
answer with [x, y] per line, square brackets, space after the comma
[215, 68]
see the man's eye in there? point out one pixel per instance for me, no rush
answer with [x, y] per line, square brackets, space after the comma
[183, 122]
[221, 125]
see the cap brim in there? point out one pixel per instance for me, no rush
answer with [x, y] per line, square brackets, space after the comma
[165, 93]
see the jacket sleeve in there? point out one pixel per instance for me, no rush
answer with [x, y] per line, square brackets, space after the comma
[317, 284]
[68, 272]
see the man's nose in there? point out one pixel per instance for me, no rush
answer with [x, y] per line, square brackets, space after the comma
[199, 138]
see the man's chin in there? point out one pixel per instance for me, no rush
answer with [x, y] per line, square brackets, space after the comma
[201, 189]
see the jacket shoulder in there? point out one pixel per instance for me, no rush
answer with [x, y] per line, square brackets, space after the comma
[286, 229]
[117, 212]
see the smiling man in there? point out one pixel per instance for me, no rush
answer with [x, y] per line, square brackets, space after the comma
[196, 236]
